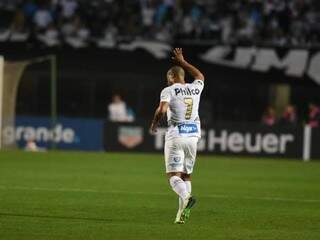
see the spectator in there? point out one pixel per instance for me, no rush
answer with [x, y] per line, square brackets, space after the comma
[42, 18]
[50, 36]
[147, 13]
[68, 8]
[314, 116]
[109, 39]
[226, 28]
[276, 22]
[269, 117]
[289, 117]
[118, 110]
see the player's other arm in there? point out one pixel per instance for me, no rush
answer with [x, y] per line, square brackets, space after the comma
[158, 115]
[192, 70]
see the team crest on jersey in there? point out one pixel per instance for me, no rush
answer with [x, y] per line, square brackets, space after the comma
[130, 137]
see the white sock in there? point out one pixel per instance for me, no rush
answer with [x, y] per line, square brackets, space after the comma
[188, 187]
[180, 204]
[179, 186]
[178, 216]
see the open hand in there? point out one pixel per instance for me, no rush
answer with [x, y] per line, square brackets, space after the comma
[178, 55]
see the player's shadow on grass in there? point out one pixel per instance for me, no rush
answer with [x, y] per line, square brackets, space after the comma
[58, 217]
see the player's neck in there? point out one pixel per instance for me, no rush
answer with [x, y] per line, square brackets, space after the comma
[180, 81]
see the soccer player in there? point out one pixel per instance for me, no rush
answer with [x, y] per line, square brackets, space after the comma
[180, 101]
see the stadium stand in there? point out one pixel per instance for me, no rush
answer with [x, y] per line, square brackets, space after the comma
[104, 22]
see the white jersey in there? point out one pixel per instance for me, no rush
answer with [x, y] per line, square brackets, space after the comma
[183, 113]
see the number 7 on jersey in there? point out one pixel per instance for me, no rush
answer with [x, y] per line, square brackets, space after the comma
[189, 104]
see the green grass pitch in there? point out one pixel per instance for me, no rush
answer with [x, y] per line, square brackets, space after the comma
[74, 195]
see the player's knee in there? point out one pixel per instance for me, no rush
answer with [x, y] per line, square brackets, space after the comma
[186, 177]
[171, 174]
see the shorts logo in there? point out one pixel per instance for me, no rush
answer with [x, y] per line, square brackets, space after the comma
[188, 128]
[130, 137]
[176, 159]
[175, 165]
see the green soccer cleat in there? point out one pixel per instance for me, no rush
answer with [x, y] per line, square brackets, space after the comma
[187, 210]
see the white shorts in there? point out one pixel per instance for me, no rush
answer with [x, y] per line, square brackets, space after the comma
[180, 154]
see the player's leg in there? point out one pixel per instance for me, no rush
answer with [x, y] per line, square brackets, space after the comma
[174, 158]
[187, 181]
[190, 150]
[178, 185]
[186, 201]
[185, 214]
[181, 202]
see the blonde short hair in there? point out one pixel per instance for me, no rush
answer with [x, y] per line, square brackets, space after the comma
[176, 71]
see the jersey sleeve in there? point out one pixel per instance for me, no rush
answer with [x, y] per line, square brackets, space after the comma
[165, 95]
[199, 83]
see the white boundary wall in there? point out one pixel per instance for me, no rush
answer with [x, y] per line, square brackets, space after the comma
[307, 142]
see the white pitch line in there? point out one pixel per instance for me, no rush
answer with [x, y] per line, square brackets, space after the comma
[266, 198]
[158, 194]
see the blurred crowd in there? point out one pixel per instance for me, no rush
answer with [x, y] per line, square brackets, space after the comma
[276, 22]
[290, 117]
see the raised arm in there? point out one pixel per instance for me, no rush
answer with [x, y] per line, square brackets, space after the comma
[192, 70]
